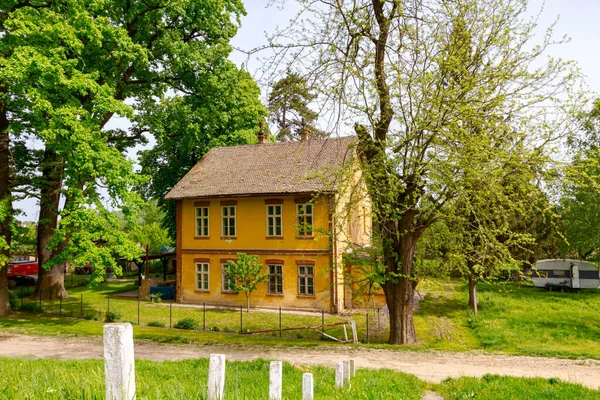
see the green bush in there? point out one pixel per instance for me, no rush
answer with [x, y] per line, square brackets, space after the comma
[12, 300]
[186, 323]
[90, 315]
[112, 316]
[156, 324]
[32, 307]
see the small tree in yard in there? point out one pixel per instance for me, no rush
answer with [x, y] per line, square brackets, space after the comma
[244, 275]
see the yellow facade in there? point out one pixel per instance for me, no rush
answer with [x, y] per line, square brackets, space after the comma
[251, 237]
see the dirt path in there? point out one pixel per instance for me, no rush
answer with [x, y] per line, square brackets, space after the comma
[430, 366]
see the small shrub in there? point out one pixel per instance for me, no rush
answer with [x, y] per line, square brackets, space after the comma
[299, 335]
[156, 297]
[112, 316]
[12, 300]
[186, 323]
[90, 315]
[32, 307]
[157, 324]
[228, 330]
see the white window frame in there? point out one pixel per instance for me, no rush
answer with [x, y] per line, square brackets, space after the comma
[275, 275]
[272, 218]
[224, 280]
[305, 277]
[226, 221]
[301, 216]
[203, 284]
[203, 222]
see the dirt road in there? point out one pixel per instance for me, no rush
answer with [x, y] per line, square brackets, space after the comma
[430, 366]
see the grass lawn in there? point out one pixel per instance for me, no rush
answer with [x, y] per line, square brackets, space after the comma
[516, 320]
[84, 379]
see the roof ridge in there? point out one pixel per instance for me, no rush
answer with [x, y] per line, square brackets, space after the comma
[284, 143]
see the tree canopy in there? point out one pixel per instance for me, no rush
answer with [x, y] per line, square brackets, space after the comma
[426, 85]
[289, 108]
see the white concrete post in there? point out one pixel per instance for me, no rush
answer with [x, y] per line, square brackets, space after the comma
[119, 366]
[352, 367]
[216, 377]
[308, 387]
[347, 370]
[339, 375]
[354, 334]
[275, 380]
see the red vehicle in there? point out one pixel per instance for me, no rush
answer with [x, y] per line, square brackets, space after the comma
[20, 268]
[22, 273]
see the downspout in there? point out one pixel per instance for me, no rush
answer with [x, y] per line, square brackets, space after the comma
[334, 277]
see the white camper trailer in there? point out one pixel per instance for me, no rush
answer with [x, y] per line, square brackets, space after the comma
[569, 274]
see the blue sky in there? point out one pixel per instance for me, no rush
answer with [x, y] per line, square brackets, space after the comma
[578, 19]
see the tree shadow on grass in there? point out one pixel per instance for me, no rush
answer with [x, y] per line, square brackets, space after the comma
[441, 306]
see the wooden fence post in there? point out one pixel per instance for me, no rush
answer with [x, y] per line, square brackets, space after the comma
[308, 387]
[352, 367]
[216, 377]
[275, 380]
[119, 366]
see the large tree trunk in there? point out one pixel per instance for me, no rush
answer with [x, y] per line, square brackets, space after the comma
[51, 282]
[399, 292]
[473, 292]
[4, 196]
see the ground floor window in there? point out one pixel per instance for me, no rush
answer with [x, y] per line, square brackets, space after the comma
[306, 280]
[275, 279]
[227, 283]
[202, 273]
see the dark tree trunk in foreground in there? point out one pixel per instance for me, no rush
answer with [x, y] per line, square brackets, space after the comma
[399, 292]
[4, 196]
[51, 283]
[473, 292]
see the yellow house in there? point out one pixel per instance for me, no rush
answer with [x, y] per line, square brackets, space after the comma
[286, 203]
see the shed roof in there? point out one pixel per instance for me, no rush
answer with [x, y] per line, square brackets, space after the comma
[264, 169]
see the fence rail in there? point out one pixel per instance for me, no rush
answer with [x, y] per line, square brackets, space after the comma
[373, 327]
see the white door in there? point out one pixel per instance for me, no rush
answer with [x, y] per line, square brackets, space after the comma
[575, 277]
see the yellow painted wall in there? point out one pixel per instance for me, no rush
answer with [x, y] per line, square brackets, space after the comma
[260, 298]
[251, 238]
[251, 228]
[352, 226]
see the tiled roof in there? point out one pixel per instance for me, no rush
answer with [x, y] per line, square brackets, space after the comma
[264, 169]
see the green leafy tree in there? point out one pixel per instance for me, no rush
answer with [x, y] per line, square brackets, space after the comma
[397, 70]
[147, 228]
[24, 238]
[5, 237]
[67, 69]
[244, 275]
[224, 111]
[579, 206]
[579, 190]
[289, 102]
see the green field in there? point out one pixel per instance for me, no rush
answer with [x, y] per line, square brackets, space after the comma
[516, 320]
[84, 379]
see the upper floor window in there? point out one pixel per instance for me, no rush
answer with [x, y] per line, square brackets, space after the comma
[228, 213]
[306, 280]
[202, 221]
[304, 212]
[202, 274]
[276, 279]
[274, 220]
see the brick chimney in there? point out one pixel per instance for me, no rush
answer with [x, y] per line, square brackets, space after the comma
[262, 135]
[304, 133]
